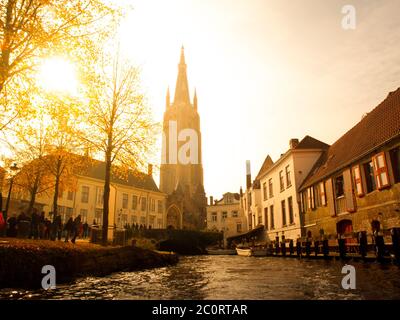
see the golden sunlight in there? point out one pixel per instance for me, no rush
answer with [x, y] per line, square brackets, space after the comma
[59, 75]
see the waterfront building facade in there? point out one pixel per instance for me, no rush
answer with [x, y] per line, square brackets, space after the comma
[226, 215]
[355, 185]
[279, 185]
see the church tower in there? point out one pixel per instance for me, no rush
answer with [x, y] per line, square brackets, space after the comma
[182, 123]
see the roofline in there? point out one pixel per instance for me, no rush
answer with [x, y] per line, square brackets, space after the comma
[302, 187]
[284, 156]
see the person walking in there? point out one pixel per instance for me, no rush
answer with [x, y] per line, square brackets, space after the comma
[58, 227]
[75, 228]
[85, 230]
[68, 228]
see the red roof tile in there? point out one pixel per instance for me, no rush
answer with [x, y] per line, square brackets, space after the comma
[376, 128]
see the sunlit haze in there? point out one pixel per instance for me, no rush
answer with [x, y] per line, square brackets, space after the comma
[265, 71]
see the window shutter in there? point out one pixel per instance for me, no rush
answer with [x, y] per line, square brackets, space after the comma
[309, 198]
[380, 170]
[358, 181]
[322, 193]
[329, 197]
[348, 191]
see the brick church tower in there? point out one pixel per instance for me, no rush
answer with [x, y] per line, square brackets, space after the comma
[182, 180]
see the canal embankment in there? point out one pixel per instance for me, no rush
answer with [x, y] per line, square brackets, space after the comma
[22, 260]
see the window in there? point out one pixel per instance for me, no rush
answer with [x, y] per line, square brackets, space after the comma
[249, 197]
[283, 206]
[265, 191]
[99, 196]
[369, 177]
[266, 218]
[238, 227]
[290, 206]
[317, 195]
[214, 217]
[133, 219]
[70, 195]
[281, 182]
[84, 215]
[134, 202]
[395, 159]
[357, 181]
[380, 170]
[152, 220]
[143, 220]
[339, 186]
[98, 216]
[235, 214]
[271, 191]
[85, 194]
[288, 178]
[224, 215]
[159, 206]
[271, 217]
[159, 223]
[124, 201]
[310, 198]
[144, 203]
[153, 205]
[322, 193]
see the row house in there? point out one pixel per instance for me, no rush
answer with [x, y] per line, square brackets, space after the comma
[273, 195]
[134, 199]
[226, 215]
[354, 186]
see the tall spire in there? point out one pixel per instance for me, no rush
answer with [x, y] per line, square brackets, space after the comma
[182, 88]
[195, 99]
[168, 100]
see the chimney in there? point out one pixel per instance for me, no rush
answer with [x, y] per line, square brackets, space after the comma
[293, 143]
[248, 174]
[150, 169]
[211, 200]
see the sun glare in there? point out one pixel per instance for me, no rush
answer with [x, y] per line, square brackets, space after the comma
[58, 75]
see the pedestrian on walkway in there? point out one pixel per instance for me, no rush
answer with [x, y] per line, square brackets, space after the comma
[68, 228]
[75, 228]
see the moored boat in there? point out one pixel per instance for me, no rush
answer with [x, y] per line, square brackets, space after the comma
[245, 252]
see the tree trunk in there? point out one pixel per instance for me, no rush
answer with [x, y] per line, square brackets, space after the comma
[56, 187]
[106, 198]
[33, 194]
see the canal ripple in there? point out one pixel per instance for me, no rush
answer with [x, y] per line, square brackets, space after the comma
[231, 277]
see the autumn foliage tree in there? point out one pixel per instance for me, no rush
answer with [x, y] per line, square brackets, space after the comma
[120, 124]
[31, 30]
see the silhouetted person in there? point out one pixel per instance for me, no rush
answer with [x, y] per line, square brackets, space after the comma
[57, 227]
[35, 224]
[75, 228]
[85, 230]
[12, 227]
[68, 228]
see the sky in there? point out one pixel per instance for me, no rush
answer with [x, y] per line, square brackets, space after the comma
[265, 71]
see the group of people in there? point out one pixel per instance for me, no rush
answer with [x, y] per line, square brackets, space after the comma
[38, 226]
[134, 229]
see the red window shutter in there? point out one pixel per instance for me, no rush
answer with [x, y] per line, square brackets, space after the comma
[330, 198]
[381, 170]
[322, 192]
[358, 181]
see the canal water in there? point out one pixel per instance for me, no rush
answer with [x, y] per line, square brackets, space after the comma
[232, 277]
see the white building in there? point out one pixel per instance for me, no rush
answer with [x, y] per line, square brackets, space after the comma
[226, 215]
[275, 190]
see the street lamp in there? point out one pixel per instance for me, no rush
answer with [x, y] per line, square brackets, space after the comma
[13, 169]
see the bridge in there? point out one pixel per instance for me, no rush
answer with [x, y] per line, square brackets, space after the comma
[182, 241]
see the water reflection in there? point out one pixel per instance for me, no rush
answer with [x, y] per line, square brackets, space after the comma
[231, 277]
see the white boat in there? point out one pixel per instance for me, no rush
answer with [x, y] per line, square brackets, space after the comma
[251, 252]
[245, 252]
[221, 251]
